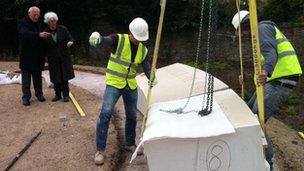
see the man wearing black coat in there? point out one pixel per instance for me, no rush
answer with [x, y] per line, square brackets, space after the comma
[32, 54]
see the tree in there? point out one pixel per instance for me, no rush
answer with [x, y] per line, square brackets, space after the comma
[284, 11]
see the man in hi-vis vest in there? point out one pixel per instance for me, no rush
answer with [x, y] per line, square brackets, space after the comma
[128, 53]
[281, 68]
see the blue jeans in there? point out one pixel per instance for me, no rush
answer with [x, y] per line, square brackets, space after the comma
[274, 96]
[110, 98]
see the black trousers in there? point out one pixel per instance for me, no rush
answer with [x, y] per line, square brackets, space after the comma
[26, 83]
[62, 88]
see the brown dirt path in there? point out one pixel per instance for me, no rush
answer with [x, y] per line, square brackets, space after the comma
[61, 146]
[289, 147]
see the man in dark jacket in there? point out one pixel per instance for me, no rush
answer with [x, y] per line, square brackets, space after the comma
[32, 54]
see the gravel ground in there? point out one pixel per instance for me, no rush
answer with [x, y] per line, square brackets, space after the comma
[70, 145]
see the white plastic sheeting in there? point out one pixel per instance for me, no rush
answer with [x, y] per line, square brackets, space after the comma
[7, 77]
[161, 124]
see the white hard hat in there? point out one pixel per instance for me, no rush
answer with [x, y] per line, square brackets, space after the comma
[139, 29]
[235, 20]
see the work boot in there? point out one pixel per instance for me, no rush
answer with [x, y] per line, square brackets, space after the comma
[99, 157]
[56, 98]
[66, 98]
[26, 102]
[133, 148]
[41, 98]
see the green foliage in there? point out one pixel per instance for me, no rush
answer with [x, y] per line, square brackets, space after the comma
[180, 15]
[284, 11]
[167, 52]
[122, 12]
[217, 66]
[220, 66]
[86, 61]
[192, 63]
[293, 99]
[247, 95]
[291, 110]
[227, 9]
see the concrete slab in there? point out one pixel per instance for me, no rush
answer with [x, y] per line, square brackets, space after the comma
[236, 110]
[95, 83]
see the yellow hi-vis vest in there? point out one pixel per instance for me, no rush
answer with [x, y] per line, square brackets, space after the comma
[120, 70]
[287, 63]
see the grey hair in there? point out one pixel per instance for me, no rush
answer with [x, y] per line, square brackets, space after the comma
[50, 15]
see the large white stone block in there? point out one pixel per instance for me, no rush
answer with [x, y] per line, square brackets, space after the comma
[238, 151]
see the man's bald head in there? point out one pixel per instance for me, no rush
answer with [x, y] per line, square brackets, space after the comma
[34, 13]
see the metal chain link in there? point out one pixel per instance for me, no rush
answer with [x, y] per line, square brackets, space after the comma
[198, 47]
[215, 19]
[208, 101]
[208, 90]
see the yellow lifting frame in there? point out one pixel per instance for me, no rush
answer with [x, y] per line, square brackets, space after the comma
[256, 59]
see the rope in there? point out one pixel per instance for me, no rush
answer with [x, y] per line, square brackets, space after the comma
[153, 69]
[240, 49]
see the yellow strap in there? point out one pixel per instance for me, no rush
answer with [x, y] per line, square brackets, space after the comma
[256, 59]
[153, 69]
[240, 48]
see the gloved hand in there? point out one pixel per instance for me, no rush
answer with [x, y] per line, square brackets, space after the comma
[70, 43]
[95, 39]
[153, 82]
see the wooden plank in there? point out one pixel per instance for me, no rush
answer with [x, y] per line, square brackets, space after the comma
[77, 106]
[301, 134]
